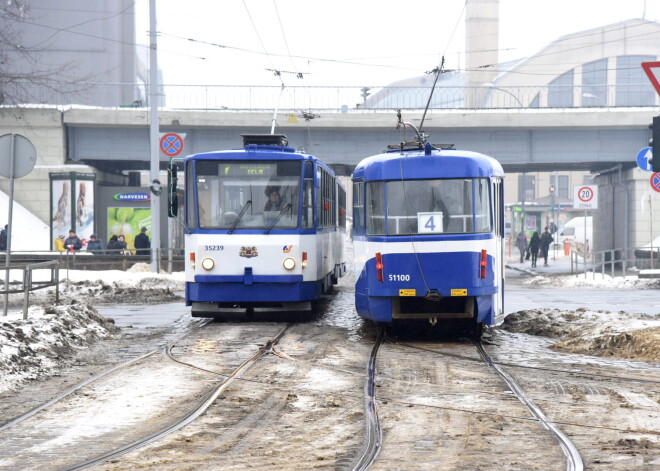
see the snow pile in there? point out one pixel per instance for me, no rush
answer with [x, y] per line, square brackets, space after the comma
[32, 347]
[591, 280]
[137, 285]
[600, 333]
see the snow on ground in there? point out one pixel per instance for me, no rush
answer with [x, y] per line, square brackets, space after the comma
[36, 346]
[600, 333]
[593, 280]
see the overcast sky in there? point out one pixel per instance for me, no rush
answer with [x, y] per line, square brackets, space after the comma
[364, 42]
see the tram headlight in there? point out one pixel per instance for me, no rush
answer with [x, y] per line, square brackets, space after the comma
[289, 263]
[208, 264]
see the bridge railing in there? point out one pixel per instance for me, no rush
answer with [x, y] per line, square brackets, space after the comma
[295, 99]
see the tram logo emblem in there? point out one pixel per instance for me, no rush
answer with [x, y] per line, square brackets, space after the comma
[287, 248]
[248, 252]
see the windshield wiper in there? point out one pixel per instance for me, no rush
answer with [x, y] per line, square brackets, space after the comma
[282, 211]
[247, 204]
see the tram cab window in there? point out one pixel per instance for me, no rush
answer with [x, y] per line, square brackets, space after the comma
[451, 206]
[236, 193]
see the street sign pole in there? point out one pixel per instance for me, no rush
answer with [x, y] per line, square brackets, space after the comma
[10, 213]
[154, 168]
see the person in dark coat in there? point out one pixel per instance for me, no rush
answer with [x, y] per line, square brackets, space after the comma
[95, 246]
[274, 202]
[534, 246]
[546, 240]
[3, 238]
[72, 242]
[142, 242]
[521, 243]
[117, 245]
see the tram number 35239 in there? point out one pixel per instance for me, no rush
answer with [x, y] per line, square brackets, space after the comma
[399, 277]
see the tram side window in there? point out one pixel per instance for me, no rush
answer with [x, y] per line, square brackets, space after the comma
[358, 208]
[341, 201]
[190, 196]
[308, 197]
[375, 208]
[482, 209]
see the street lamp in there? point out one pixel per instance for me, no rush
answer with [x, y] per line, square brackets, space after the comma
[492, 85]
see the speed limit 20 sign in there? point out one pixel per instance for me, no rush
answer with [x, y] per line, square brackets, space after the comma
[585, 197]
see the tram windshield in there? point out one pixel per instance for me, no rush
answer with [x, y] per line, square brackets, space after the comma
[248, 195]
[453, 206]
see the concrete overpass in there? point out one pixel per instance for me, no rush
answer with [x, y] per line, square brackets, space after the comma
[113, 140]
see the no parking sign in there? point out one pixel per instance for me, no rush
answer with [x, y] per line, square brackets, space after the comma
[585, 197]
[655, 181]
[171, 143]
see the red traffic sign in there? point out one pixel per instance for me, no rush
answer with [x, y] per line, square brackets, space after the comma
[648, 66]
[655, 181]
[585, 194]
[171, 144]
[585, 197]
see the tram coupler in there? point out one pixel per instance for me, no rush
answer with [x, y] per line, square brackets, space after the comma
[433, 295]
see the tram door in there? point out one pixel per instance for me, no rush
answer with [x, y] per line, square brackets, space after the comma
[498, 220]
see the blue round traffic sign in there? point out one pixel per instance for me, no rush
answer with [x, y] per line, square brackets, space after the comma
[644, 159]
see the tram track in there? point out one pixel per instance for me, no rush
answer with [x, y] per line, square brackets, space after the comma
[181, 420]
[96, 377]
[372, 447]
[573, 458]
[206, 403]
[373, 433]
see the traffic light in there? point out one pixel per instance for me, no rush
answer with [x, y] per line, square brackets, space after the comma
[655, 144]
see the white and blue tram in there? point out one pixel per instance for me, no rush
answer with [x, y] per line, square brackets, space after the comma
[264, 228]
[428, 235]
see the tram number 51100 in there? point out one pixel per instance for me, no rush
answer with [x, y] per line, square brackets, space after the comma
[399, 278]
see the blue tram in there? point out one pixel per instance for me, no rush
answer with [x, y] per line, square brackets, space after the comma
[264, 228]
[428, 235]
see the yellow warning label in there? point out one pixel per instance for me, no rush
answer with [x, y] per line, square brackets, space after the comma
[459, 292]
[407, 292]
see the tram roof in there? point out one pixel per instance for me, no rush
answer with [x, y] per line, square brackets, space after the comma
[412, 165]
[258, 152]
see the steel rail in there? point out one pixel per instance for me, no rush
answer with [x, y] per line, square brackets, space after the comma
[205, 404]
[91, 379]
[536, 368]
[373, 432]
[573, 458]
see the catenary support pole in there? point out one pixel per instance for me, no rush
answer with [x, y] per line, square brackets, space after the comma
[154, 168]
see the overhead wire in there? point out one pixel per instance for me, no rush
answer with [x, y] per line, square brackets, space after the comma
[437, 71]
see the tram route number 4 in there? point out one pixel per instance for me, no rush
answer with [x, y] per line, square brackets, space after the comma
[429, 222]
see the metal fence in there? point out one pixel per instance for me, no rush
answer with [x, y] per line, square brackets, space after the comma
[294, 99]
[613, 262]
[28, 283]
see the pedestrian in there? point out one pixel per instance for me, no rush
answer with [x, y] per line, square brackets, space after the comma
[142, 242]
[122, 246]
[73, 242]
[546, 240]
[113, 245]
[3, 237]
[521, 243]
[534, 246]
[95, 246]
[59, 244]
